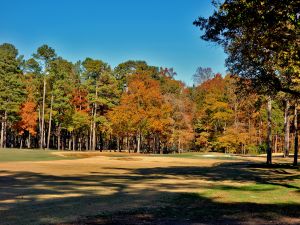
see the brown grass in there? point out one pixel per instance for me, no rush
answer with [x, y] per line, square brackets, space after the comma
[53, 192]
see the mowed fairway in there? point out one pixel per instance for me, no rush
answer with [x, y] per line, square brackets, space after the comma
[120, 188]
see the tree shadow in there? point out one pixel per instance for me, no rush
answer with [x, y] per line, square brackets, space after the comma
[136, 196]
[233, 171]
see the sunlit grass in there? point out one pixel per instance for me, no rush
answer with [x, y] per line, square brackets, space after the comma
[13, 155]
[255, 193]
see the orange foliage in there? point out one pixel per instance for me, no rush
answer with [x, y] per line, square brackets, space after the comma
[79, 100]
[215, 85]
[29, 118]
[142, 108]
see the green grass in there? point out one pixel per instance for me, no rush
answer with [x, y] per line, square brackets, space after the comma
[14, 155]
[255, 193]
[218, 204]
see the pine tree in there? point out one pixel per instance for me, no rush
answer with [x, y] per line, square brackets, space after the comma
[12, 90]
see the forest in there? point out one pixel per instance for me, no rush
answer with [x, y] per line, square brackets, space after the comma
[48, 102]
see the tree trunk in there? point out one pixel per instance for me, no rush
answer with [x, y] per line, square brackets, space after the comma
[118, 143]
[94, 124]
[69, 144]
[161, 148]
[296, 136]
[21, 142]
[276, 143]
[90, 134]
[292, 138]
[80, 144]
[4, 129]
[127, 143]
[235, 117]
[73, 141]
[101, 141]
[63, 141]
[29, 140]
[86, 144]
[38, 137]
[249, 130]
[50, 122]
[259, 131]
[269, 135]
[138, 143]
[2, 133]
[58, 136]
[43, 116]
[286, 129]
[94, 135]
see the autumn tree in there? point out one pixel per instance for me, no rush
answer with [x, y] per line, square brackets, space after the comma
[214, 112]
[27, 124]
[177, 95]
[143, 112]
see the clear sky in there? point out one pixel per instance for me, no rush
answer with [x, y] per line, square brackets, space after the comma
[157, 31]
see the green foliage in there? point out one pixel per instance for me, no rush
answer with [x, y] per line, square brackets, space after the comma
[78, 121]
[254, 150]
[277, 117]
[262, 149]
[12, 90]
[45, 54]
[261, 40]
[61, 73]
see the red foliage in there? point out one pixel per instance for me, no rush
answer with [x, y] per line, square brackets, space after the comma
[79, 100]
[29, 118]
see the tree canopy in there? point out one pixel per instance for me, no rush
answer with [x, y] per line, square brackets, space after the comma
[261, 40]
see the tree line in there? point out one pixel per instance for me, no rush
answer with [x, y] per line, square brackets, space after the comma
[48, 102]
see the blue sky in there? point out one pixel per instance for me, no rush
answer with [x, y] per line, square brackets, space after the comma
[157, 31]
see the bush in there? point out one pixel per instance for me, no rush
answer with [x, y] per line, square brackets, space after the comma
[253, 150]
[262, 149]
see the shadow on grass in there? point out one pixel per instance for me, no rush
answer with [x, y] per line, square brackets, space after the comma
[34, 198]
